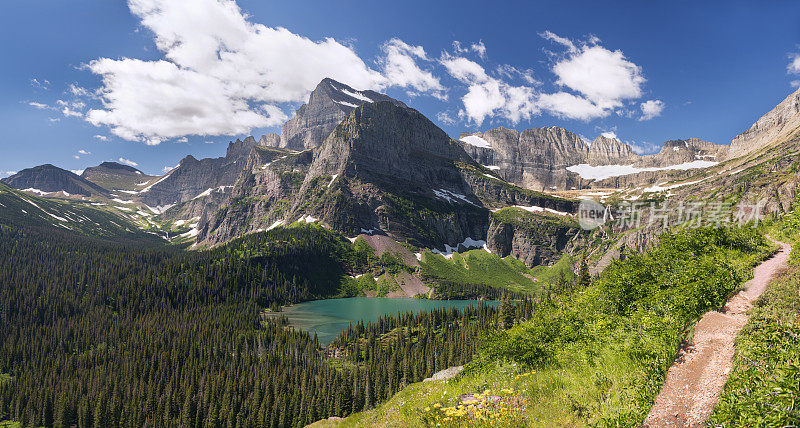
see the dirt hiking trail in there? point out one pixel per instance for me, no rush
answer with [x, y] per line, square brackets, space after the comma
[694, 381]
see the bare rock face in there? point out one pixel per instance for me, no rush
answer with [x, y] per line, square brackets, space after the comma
[193, 176]
[534, 239]
[610, 151]
[774, 127]
[674, 152]
[50, 178]
[329, 103]
[387, 167]
[535, 158]
[113, 176]
[262, 195]
[270, 140]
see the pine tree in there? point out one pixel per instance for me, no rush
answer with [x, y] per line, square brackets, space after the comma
[583, 274]
[505, 318]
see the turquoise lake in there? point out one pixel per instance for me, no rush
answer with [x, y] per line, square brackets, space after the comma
[328, 318]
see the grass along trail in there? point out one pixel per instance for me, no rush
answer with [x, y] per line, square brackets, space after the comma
[694, 382]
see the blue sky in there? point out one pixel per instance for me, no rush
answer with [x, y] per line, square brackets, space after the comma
[150, 81]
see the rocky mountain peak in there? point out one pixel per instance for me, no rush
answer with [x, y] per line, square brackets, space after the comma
[49, 178]
[778, 124]
[111, 166]
[270, 140]
[328, 104]
[606, 150]
[240, 148]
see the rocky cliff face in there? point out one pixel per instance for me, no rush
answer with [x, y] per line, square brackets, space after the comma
[262, 195]
[535, 158]
[609, 151]
[674, 152]
[534, 239]
[112, 176]
[386, 169]
[774, 127]
[49, 178]
[270, 140]
[193, 177]
[328, 104]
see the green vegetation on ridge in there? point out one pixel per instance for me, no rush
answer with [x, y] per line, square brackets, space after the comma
[596, 356]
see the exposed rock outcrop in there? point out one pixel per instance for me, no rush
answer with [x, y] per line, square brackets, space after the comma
[535, 158]
[533, 239]
[779, 124]
[193, 177]
[328, 104]
[675, 152]
[609, 151]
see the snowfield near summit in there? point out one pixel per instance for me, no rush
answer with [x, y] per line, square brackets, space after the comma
[602, 172]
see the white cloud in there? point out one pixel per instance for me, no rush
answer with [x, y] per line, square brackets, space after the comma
[651, 109]
[795, 83]
[563, 41]
[488, 96]
[610, 134]
[7, 173]
[101, 137]
[39, 106]
[224, 75]
[479, 48]
[445, 118]
[83, 152]
[153, 101]
[594, 82]
[68, 112]
[79, 91]
[604, 77]
[40, 84]
[127, 162]
[77, 171]
[794, 65]
[168, 168]
[401, 69]
[76, 156]
[644, 147]
[569, 106]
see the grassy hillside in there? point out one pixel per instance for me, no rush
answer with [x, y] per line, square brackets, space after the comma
[480, 270]
[22, 209]
[596, 356]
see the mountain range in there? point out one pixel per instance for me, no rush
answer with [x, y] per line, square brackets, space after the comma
[362, 163]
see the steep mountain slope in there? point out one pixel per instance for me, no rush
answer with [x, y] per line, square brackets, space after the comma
[192, 177]
[21, 209]
[112, 176]
[674, 152]
[385, 169]
[538, 158]
[261, 197]
[534, 158]
[51, 179]
[780, 123]
[608, 151]
[329, 103]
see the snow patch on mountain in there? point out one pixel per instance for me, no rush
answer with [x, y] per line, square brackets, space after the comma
[601, 172]
[476, 141]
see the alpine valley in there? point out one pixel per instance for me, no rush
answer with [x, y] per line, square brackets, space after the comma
[168, 299]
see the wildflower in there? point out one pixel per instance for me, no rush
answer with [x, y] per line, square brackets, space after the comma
[437, 405]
